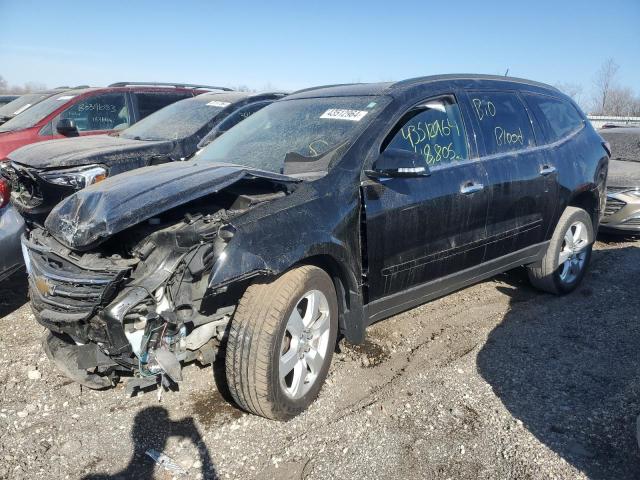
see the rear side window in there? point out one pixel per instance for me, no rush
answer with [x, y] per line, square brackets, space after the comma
[149, 102]
[558, 117]
[100, 112]
[433, 129]
[503, 120]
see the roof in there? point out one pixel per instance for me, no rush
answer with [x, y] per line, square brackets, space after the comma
[391, 88]
[233, 97]
[82, 90]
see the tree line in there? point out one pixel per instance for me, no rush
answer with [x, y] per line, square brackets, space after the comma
[607, 96]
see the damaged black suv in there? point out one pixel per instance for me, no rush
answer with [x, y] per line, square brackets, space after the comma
[318, 215]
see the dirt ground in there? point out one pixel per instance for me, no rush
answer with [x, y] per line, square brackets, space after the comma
[494, 381]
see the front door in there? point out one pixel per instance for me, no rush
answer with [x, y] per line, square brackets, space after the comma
[423, 228]
[97, 114]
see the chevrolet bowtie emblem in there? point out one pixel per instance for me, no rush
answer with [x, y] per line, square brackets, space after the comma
[43, 286]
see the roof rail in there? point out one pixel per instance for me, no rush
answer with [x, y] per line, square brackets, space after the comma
[169, 84]
[308, 89]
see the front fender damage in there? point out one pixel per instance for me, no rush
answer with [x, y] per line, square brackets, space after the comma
[154, 310]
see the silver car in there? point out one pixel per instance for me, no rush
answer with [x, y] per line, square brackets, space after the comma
[622, 212]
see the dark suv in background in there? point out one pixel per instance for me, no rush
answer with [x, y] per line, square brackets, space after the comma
[320, 214]
[43, 173]
[91, 111]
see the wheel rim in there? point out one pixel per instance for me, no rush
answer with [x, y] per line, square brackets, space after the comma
[574, 252]
[305, 344]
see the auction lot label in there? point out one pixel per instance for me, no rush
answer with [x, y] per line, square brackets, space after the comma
[344, 114]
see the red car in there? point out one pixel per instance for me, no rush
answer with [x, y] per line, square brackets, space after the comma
[91, 111]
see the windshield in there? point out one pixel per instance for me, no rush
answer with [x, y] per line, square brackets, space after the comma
[301, 130]
[178, 120]
[20, 104]
[34, 114]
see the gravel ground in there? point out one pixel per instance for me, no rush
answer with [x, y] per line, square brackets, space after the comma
[494, 381]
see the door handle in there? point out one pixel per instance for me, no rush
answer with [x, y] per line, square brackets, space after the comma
[547, 170]
[471, 187]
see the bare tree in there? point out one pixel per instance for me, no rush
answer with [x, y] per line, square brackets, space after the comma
[243, 88]
[574, 90]
[3, 84]
[604, 82]
[621, 102]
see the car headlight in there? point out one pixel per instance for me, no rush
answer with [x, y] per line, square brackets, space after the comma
[76, 177]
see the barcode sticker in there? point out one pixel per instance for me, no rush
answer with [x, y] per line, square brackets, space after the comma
[216, 103]
[344, 114]
[22, 109]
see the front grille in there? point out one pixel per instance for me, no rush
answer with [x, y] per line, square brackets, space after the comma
[633, 222]
[613, 206]
[63, 291]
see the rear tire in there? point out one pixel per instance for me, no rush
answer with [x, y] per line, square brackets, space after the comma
[288, 324]
[568, 254]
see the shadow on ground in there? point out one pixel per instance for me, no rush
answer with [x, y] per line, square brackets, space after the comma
[13, 293]
[571, 371]
[151, 429]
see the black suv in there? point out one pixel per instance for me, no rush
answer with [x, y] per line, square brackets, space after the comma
[43, 173]
[320, 214]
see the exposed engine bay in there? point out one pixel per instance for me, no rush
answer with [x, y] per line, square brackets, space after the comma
[138, 303]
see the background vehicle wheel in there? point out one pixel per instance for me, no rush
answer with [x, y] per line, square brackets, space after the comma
[568, 254]
[281, 341]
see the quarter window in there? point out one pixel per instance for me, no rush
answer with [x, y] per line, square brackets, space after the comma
[558, 117]
[503, 120]
[100, 112]
[434, 130]
[149, 102]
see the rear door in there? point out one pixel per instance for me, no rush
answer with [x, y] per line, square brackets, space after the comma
[522, 200]
[424, 228]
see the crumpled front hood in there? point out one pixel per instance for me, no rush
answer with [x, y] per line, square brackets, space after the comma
[106, 208]
[72, 152]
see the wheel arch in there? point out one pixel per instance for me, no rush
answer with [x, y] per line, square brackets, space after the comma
[350, 320]
[589, 201]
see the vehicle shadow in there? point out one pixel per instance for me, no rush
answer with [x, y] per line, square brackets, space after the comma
[612, 238]
[13, 293]
[151, 429]
[569, 367]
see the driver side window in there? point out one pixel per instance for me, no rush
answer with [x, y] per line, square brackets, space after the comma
[100, 112]
[435, 130]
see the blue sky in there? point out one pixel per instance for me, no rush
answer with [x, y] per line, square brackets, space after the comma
[290, 45]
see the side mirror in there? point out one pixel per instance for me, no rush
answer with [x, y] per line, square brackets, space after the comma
[395, 162]
[67, 127]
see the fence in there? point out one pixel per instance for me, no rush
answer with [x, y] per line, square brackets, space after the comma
[599, 120]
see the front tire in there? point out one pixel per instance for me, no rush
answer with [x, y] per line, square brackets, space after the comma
[568, 254]
[281, 341]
